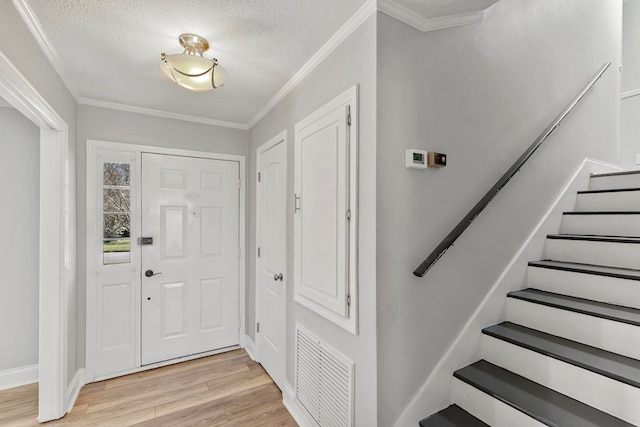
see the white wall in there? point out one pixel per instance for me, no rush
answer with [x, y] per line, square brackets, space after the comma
[353, 62]
[630, 107]
[19, 217]
[480, 94]
[131, 128]
[29, 59]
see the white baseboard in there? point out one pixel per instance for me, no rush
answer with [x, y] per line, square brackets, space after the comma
[73, 389]
[289, 401]
[435, 393]
[16, 377]
[250, 347]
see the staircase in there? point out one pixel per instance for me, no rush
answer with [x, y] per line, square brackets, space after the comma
[569, 352]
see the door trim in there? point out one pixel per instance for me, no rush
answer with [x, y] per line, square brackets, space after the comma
[281, 138]
[93, 146]
[57, 256]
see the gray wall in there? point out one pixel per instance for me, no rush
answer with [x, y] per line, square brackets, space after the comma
[353, 62]
[19, 216]
[630, 107]
[481, 94]
[28, 58]
[131, 128]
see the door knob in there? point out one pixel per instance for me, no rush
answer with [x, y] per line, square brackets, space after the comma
[150, 273]
[277, 277]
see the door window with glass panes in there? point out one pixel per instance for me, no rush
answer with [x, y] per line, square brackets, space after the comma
[116, 213]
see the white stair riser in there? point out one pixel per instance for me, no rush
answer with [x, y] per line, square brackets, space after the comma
[489, 410]
[624, 255]
[611, 290]
[603, 393]
[609, 335]
[614, 182]
[602, 225]
[618, 201]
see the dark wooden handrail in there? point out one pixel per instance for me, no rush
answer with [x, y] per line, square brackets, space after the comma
[448, 241]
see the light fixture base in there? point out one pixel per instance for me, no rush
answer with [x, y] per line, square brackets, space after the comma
[193, 43]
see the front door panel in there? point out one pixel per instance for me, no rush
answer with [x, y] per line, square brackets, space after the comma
[190, 289]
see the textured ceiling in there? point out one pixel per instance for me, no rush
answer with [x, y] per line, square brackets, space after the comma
[110, 49]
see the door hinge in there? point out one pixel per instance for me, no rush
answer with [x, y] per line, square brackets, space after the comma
[239, 184]
[349, 300]
[258, 327]
[296, 203]
[259, 176]
[239, 253]
[349, 215]
[349, 115]
[258, 251]
[239, 323]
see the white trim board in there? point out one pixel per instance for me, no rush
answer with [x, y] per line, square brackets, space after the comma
[57, 263]
[432, 395]
[419, 22]
[16, 377]
[45, 44]
[163, 114]
[630, 94]
[92, 148]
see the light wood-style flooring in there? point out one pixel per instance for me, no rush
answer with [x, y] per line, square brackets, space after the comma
[228, 389]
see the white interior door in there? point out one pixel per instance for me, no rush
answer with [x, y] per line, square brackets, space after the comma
[190, 207]
[271, 265]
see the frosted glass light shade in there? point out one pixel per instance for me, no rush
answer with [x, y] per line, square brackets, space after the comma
[193, 72]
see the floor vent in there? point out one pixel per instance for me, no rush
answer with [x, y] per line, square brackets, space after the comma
[324, 381]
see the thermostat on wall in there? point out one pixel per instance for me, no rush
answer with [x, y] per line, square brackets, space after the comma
[415, 159]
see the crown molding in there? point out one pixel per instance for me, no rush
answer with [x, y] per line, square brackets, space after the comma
[366, 10]
[409, 17]
[38, 33]
[160, 113]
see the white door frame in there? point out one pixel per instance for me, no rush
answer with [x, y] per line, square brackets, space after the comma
[93, 146]
[57, 258]
[281, 138]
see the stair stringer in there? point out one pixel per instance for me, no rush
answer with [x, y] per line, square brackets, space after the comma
[436, 392]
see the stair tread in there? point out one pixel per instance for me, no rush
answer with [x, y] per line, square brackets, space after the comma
[612, 365]
[452, 416]
[594, 238]
[610, 190]
[602, 175]
[623, 273]
[545, 405]
[602, 213]
[580, 305]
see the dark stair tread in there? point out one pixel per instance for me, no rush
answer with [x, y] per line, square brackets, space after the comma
[452, 416]
[545, 405]
[611, 365]
[604, 213]
[611, 190]
[602, 175]
[622, 273]
[580, 305]
[591, 238]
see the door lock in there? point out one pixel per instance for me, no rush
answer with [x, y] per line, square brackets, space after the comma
[150, 273]
[277, 277]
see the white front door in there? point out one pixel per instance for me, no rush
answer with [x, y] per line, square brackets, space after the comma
[271, 227]
[190, 208]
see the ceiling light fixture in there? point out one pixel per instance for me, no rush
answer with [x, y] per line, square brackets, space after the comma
[190, 69]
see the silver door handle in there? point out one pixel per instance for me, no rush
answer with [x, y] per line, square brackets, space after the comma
[277, 277]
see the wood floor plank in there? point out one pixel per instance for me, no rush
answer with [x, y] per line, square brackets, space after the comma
[227, 389]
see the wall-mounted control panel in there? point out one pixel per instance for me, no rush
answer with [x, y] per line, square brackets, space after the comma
[415, 159]
[437, 160]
